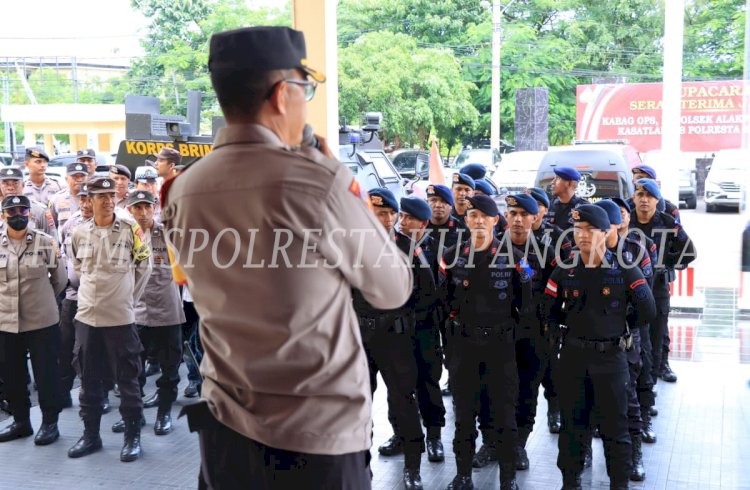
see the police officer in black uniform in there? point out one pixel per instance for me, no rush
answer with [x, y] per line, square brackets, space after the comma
[631, 253]
[589, 298]
[484, 293]
[645, 388]
[444, 228]
[675, 251]
[413, 218]
[462, 188]
[482, 187]
[664, 205]
[387, 338]
[552, 240]
[564, 189]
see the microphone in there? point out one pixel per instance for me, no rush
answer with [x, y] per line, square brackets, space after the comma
[309, 139]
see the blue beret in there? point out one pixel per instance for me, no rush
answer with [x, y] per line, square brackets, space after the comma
[591, 214]
[649, 186]
[484, 204]
[646, 170]
[612, 209]
[474, 170]
[441, 191]
[567, 173]
[464, 179]
[538, 194]
[622, 203]
[416, 207]
[383, 198]
[525, 201]
[484, 186]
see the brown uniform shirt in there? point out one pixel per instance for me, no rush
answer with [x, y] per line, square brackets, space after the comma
[283, 363]
[30, 279]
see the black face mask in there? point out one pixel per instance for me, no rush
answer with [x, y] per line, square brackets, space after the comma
[18, 223]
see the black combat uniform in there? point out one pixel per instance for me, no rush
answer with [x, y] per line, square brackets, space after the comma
[591, 305]
[484, 293]
[559, 212]
[387, 336]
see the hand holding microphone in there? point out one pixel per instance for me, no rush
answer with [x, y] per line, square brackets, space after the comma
[309, 138]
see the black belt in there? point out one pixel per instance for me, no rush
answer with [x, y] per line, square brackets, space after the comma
[505, 333]
[398, 324]
[618, 344]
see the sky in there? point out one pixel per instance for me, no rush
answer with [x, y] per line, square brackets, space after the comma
[108, 31]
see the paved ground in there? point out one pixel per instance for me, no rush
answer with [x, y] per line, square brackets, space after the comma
[703, 429]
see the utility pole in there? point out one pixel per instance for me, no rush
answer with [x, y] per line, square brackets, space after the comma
[497, 30]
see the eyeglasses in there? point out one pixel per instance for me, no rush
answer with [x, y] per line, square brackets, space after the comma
[308, 86]
[17, 211]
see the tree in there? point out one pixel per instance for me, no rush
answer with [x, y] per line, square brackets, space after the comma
[418, 90]
[714, 39]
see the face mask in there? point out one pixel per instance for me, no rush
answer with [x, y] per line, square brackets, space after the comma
[18, 223]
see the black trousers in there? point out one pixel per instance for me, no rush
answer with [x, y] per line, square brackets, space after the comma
[635, 366]
[490, 364]
[44, 347]
[426, 345]
[531, 361]
[587, 380]
[645, 388]
[392, 355]
[104, 350]
[190, 333]
[167, 342]
[231, 461]
[659, 330]
[68, 312]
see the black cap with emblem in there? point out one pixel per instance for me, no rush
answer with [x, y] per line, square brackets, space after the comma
[141, 196]
[16, 202]
[262, 48]
[77, 168]
[101, 185]
[120, 170]
[11, 173]
[36, 152]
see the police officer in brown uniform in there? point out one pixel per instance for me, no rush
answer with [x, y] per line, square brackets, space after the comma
[11, 184]
[121, 175]
[158, 315]
[87, 157]
[63, 204]
[69, 305]
[39, 187]
[166, 161]
[111, 260]
[286, 390]
[31, 276]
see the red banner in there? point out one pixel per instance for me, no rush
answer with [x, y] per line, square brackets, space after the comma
[711, 114]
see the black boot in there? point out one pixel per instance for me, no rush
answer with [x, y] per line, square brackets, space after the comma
[392, 446]
[17, 430]
[151, 368]
[553, 416]
[638, 473]
[90, 442]
[487, 453]
[622, 485]
[106, 407]
[119, 426]
[435, 452]
[647, 432]
[131, 449]
[522, 459]
[571, 481]
[163, 424]
[666, 372]
[461, 482]
[412, 478]
[47, 434]
[653, 411]
[508, 477]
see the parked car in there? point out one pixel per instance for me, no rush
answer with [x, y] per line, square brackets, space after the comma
[688, 185]
[485, 156]
[411, 162]
[606, 168]
[517, 171]
[726, 179]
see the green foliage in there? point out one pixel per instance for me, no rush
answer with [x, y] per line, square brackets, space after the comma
[714, 39]
[418, 90]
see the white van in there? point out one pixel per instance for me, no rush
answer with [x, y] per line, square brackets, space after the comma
[727, 179]
[517, 171]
